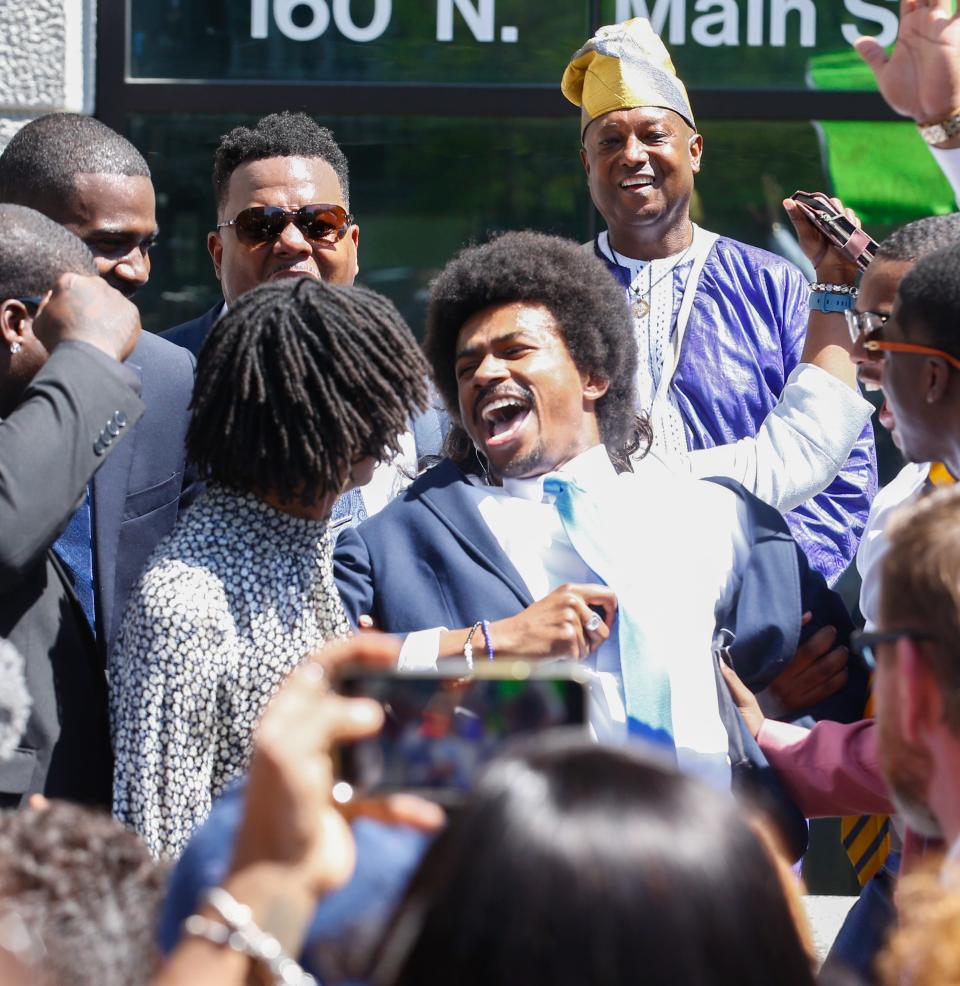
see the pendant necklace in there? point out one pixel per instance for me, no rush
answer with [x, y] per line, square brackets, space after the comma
[639, 305]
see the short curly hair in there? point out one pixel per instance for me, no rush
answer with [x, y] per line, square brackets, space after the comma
[920, 238]
[86, 891]
[283, 134]
[930, 300]
[587, 304]
[39, 167]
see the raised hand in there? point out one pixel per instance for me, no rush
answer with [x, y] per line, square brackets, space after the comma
[921, 78]
[828, 262]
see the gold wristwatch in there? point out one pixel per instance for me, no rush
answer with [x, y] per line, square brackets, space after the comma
[938, 133]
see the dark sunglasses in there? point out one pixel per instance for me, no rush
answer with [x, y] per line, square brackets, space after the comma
[263, 223]
[864, 644]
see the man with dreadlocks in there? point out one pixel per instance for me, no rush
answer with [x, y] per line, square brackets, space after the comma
[301, 388]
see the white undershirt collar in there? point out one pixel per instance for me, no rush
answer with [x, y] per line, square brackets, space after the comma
[586, 469]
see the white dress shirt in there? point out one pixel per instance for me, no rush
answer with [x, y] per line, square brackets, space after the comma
[690, 541]
[801, 446]
[904, 488]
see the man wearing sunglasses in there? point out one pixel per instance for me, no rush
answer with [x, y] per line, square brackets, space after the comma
[282, 193]
[907, 343]
[283, 210]
[869, 323]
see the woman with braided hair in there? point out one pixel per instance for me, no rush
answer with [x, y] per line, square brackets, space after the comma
[301, 388]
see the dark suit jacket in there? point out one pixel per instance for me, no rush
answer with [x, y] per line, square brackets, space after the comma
[48, 453]
[190, 335]
[428, 559]
[139, 491]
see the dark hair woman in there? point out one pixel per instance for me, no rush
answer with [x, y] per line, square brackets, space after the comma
[577, 864]
[301, 388]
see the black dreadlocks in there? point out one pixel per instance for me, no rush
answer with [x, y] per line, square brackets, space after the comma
[297, 382]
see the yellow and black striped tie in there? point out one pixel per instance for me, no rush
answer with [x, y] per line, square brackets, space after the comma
[866, 838]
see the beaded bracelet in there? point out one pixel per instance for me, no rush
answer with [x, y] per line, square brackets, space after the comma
[468, 644]
[239, 932]
[485, 624]
[818, 288]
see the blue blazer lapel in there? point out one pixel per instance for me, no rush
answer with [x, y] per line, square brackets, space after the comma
[445, 495]
[109, 487]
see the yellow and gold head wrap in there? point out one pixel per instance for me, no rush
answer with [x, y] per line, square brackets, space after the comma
[623, 66]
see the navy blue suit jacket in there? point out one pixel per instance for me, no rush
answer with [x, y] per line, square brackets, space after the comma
[190, 335]
[142, 486]
[428, 559]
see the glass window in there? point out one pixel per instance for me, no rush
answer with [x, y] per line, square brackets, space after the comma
[421, 187]
[755, 44]
[446, 41]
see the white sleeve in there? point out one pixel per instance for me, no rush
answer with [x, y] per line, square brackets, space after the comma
[801, 445]
[949, 161]
[421, 650]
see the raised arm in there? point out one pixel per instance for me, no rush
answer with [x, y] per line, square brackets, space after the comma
[50, 442]
[805, 440]
[921, 77]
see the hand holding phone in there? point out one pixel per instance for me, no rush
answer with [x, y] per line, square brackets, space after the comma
[835, 228]
[440, 728]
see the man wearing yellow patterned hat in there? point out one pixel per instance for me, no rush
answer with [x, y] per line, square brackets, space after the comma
[720, 324]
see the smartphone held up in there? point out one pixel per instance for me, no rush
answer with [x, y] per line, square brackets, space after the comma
[440, 728]
[852, 242]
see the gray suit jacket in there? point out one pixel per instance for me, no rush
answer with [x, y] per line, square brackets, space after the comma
[50, 447]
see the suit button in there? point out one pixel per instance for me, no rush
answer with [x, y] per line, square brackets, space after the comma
[113, 429]
[98, 447]
[120, 418]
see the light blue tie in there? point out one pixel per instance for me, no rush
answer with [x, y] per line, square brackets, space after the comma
[646, 682]
[75, 549]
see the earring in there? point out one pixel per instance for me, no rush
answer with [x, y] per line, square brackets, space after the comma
[15, 348]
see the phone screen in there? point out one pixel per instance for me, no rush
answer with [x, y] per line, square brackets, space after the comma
[439, 729]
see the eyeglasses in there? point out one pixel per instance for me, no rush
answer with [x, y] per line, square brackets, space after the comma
[864, 644]
[263, 223]
[867, 326]
[33, 300]
[878, 345]
[865, 323]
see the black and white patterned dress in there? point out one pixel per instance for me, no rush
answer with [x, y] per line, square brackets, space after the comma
[232, 599]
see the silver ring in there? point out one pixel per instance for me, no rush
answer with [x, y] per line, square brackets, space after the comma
[593, 623]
